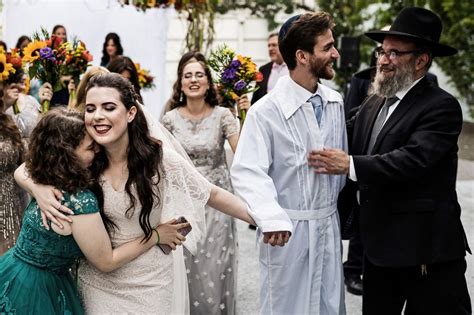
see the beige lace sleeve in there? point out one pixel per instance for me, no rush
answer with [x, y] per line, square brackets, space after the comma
[186, 193]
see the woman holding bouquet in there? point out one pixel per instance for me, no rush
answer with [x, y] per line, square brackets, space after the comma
[143, 184]
[202, 128]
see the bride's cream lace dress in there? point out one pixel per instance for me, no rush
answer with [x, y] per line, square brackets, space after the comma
[154, 283]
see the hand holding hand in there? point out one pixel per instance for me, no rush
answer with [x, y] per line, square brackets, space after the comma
[169, 233]
[329, 161]
[279, 238]
[45, 92]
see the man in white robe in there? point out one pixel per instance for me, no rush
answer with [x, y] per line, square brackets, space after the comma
[271, 173]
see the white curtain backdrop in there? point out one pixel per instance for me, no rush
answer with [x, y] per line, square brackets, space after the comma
[143, 34]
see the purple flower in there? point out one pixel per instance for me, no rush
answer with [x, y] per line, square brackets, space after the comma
[228, 75]
[235, 64]
[239, 85]
[46, 53]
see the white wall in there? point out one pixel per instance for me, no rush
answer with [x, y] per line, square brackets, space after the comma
[143, 35]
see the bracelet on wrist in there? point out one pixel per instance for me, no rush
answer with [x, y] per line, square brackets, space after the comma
[157, 234]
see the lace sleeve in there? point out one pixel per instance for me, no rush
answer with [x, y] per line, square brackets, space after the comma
[186, 193]
[83, 202]
[167, 122]
[229, 124]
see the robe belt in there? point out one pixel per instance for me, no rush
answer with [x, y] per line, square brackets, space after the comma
[316, 214]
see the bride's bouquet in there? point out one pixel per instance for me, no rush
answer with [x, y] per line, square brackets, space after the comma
[236, 75]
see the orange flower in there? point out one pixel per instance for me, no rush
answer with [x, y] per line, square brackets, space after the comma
[258, 76]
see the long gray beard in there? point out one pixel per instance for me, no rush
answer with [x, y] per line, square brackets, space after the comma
[388, 87]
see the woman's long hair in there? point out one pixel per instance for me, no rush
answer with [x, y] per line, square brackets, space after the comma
[116, 40]
[178, 99]
[144, 155]
[121, 64]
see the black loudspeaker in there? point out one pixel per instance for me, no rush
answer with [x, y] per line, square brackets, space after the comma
[349, 51]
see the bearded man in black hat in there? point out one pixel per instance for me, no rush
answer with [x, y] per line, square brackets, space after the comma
[403, 164]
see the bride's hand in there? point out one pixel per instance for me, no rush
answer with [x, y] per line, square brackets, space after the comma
[169, 233]
[49, 201]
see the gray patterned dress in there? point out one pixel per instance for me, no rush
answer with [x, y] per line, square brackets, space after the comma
[212, 273]
[10, 205]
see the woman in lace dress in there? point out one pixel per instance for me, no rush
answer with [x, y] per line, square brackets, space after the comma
[143, 185]
[202, 128]
[10, 157]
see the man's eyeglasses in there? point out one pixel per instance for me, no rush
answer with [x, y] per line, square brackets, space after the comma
[197, 75]
[393, 54]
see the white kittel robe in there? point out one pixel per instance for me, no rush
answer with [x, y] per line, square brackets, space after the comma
[271, 173]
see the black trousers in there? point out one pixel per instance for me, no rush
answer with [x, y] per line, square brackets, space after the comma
[441, 291]
[355, 254]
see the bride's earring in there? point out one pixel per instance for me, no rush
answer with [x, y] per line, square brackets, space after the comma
[181, 97]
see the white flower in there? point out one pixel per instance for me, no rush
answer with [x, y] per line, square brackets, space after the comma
[196, 303]
[222, 306]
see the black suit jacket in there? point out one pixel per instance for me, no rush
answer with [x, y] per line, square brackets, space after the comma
[266, 69]
[409, 210]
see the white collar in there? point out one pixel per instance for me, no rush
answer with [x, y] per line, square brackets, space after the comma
[291, 96]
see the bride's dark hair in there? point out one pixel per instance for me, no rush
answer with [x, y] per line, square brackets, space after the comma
[144, 155]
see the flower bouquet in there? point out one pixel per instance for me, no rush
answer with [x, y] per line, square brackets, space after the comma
[11, 68]
[44, 57]
[76, 62]
[145, 79]
[236, 75]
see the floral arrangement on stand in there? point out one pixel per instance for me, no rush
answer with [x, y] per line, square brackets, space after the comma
[236, 75]
[199, 16]
[48, 58]
[10, 68]
[145, 79]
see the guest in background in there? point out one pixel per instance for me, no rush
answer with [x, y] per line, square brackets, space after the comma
[271, 71]
[27, 109]
[125, 66]
[112, 48]
[60, 31]
[11, 152]
[202, 127]
[22, 42]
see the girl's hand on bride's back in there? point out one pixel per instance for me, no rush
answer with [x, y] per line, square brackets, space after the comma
[49, 201]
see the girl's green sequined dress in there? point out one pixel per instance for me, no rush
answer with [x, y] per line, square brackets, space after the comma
[35, 274]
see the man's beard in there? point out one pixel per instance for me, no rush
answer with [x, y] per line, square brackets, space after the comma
[322, 71]
[388, 86]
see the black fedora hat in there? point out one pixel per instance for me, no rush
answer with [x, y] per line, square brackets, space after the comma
[418, 24]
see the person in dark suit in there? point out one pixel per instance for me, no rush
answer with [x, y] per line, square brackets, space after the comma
[403, 163]
[359, 89]
[271, 71]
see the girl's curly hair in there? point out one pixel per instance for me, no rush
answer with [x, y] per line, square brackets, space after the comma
[51, 159]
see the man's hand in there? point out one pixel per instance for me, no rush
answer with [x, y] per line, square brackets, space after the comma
[279, 238]
[329, 161]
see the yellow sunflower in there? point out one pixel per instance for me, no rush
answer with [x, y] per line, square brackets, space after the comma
[31, 52]
[5, 68]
